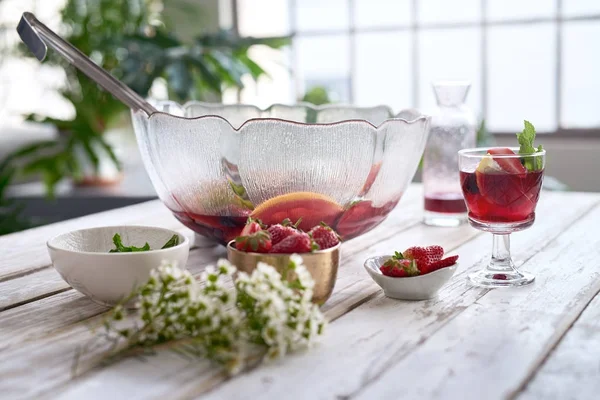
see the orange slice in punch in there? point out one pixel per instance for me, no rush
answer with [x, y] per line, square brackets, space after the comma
[311, 207]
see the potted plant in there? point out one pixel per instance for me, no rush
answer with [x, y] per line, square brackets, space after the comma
[127, 39]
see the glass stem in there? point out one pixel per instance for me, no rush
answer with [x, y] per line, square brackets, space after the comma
[501, 259]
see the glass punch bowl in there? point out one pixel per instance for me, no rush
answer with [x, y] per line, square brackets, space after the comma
[214, 166]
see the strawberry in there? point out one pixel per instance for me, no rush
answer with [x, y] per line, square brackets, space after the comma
[399, 267]
[252, 226]
[279, 232]
[424, 256]
[257, 242]
[446, 262]
[299, 242]
[324, 236]
[512, 165]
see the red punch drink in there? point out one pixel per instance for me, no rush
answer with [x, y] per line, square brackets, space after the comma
[501, 197]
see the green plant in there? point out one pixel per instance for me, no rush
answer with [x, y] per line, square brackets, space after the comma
[127, 39]
[317, 95]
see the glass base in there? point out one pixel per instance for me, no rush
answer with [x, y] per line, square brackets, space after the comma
[499, 279]
[502, 228]
[448, 220]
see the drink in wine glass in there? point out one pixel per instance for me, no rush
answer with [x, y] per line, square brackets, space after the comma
[501, 189]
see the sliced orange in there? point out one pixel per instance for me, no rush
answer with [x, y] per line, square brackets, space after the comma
[313, 208]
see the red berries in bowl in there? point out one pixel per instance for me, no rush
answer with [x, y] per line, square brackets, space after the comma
[416, 261]
[284, 238]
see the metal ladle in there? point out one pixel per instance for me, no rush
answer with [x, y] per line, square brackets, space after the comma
[36, 36]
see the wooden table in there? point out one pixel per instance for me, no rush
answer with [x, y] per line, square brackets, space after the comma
[540, 341]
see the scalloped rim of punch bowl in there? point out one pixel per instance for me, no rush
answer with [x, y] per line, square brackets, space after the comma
[408, 116]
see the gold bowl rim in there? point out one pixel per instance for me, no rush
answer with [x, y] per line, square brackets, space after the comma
[329, 250]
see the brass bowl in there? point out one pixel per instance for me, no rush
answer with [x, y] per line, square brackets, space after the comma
[322, 265]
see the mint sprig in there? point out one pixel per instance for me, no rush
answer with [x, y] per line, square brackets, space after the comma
[174, 241]
[526, 139]
[121, 248]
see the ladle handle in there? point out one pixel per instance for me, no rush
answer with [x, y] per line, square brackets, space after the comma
[36, 36]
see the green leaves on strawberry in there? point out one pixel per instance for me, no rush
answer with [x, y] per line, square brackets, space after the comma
[258, 242]
[526, 139]
[417, 260]
[399, 267]
[324, 236]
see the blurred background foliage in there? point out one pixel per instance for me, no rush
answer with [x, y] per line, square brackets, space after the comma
[317, 95]
[130, 39]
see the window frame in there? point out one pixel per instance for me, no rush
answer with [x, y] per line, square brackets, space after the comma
[414, 27]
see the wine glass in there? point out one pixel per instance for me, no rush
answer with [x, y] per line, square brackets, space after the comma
[501, 189]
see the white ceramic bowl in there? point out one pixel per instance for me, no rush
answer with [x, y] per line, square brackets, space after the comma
[83, 260]
[420, 287]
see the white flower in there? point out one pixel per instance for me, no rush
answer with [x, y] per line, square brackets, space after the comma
[296, 259]
[225, 320]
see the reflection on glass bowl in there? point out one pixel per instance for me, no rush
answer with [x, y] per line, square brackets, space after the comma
[214, 166]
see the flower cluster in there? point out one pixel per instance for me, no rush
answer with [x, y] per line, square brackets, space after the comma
[220, 321]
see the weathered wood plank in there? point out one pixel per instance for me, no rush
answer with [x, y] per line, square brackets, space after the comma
[52, 352]
[365, 343]
[37, 320]
[331, 357]
[25, 252]
[23, 289]
[344, 299]
[491, 348]
[572, 371]
[46, 281]
[39, 333]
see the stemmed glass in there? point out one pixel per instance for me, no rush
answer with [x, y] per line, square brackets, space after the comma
[501, 195]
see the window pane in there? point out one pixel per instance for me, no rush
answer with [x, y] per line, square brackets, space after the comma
[519, 9]
[263, 17]
[522, 77]
[277, 86]
[376, 13]
[433, 11]
[319, 15]
[323, 61]
[572, 8]
[383, 70]
[581, 78]
[453, 54]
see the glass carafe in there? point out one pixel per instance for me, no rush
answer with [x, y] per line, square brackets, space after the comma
[453, 127]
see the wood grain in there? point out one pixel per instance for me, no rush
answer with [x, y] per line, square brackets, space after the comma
[346, 355]
[572, 371]
[20, 289]
[360, 346]
[29, 337]
[373, 344]
[490, 348]
[25, 252]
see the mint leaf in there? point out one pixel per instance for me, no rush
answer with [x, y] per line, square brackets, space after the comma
[539, 160]
[174, 241]
[120, 248]
[526, 139]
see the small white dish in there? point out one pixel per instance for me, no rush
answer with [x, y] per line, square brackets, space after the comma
[83, 260]
[420, 287]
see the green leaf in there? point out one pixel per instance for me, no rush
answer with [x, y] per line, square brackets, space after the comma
[179, 78]
[91, 153]
[120, 248]
[109, 150]
[222, 67]
[255, 70]
[210, 77]
[174, 241]
[526, 139]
